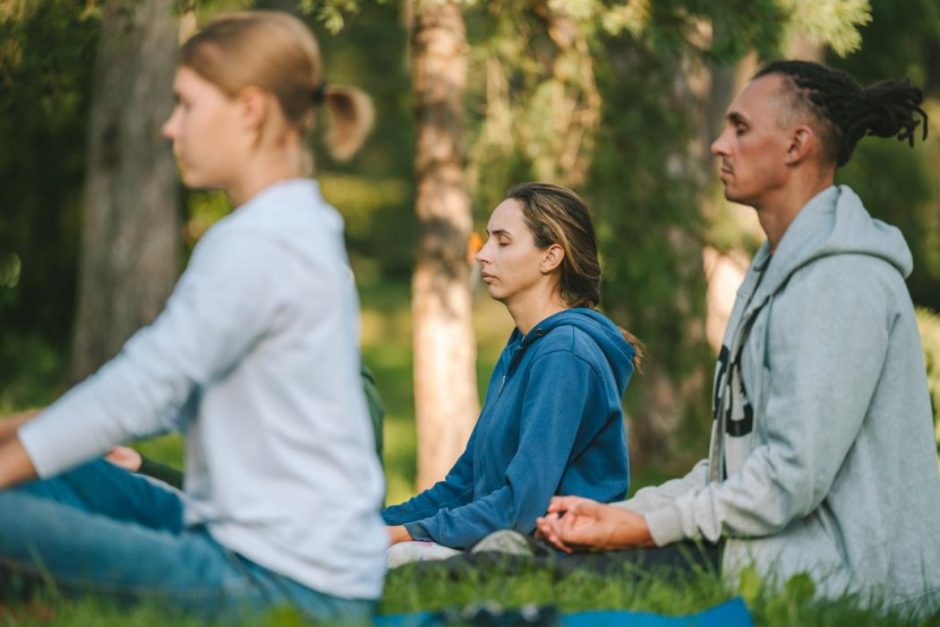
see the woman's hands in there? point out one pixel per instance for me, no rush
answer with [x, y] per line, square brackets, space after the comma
[125, 457]
[10, 424]
[574, 523]
[15, 464]
[398, 533]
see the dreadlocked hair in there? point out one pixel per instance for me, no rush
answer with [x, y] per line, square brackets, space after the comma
[847, 111]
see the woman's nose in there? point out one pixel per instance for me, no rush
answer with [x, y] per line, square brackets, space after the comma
[483, 255]
[169, 127]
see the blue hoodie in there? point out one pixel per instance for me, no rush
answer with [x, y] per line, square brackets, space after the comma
[551, 424]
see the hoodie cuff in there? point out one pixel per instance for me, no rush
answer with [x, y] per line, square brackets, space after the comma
[665, 525]
[417, 532]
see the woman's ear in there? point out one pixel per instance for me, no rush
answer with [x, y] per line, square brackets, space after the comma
[254, 102]
[551, 258]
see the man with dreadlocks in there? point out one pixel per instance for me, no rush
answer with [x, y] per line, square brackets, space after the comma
[822, 458]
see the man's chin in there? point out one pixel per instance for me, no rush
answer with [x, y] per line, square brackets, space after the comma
[731, 196]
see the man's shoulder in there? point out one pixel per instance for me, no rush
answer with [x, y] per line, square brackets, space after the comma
[843, 289]
[845, 273]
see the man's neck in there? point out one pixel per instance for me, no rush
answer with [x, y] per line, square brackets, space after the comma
[778, 212]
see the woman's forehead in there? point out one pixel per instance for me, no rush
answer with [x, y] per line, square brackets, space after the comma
[507, 216]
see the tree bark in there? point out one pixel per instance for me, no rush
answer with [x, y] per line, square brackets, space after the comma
[575, 112]
[130, 248]
[446, 402]
[673, 387]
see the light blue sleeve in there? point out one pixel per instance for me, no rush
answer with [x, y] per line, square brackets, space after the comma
[821, 375]
[225, 301]
[656, 497]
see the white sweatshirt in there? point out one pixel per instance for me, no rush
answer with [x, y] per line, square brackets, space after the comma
[255, 359]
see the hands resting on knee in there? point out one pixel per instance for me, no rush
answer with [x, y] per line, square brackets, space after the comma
[573, 523]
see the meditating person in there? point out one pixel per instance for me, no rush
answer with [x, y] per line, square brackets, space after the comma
[822, 459]
[254, 358]
[130, 459]
[552, 421]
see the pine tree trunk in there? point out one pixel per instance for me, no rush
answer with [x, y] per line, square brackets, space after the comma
[130, 248]
[446, 402]
[673, 388]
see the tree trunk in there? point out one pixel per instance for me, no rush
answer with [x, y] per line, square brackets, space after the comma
[575, 111]
[674, 386]
[130, 246]
[446, 402]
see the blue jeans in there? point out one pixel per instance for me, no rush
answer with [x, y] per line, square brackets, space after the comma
[102, 530]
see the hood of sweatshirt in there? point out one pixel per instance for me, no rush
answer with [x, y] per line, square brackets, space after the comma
[608, 337]
[833, 222]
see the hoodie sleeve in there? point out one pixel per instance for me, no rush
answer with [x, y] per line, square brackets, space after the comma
[562, 393]
[219, 308]
[656, 497]
[456, 489]
[827, 343]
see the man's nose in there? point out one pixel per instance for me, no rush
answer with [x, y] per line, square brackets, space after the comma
[719, 146]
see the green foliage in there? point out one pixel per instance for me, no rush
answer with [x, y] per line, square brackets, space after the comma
[372, 208]
[901, 186]
[641, 204]
[929, 325]
[896, 43]
[375, 191]
[898, 184]
[331, 13]
[46, 55]
[835, 22]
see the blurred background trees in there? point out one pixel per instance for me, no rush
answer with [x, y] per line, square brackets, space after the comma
[130, 245]
[619, 100]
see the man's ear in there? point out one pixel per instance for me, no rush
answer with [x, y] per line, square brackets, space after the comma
[551, 258]
[254, 101]
[803, 141]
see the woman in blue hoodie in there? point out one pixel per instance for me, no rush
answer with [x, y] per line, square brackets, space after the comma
[552, 421]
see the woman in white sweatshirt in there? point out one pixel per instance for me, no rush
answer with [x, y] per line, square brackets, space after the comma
[254, 359]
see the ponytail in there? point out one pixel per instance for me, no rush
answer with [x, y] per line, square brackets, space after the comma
[277, 52]
[848, 112]
[639, 349]
[352, 116]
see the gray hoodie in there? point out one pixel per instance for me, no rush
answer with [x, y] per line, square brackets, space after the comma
[826, 432]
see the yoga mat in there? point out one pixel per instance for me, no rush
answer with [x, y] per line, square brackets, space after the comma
[731, 613]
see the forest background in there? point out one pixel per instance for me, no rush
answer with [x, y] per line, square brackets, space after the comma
[618, 100]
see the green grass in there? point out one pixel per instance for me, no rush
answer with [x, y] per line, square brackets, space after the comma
[386, 340]
[412, 588]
